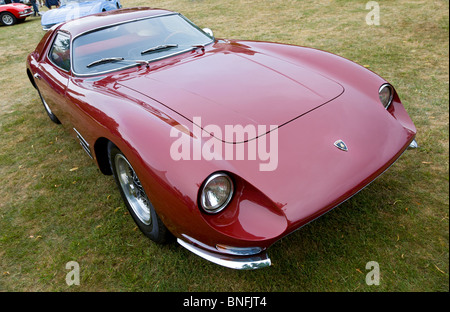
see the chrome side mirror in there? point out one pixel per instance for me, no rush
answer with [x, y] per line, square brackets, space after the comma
[209, 32]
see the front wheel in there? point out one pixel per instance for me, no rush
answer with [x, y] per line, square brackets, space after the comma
[7, 19]
[135, 197]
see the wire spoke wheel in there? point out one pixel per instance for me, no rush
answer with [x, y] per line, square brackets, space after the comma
[136, 199]
[133, 190]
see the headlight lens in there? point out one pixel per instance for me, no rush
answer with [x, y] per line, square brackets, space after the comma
[386, 94]
[216, 193]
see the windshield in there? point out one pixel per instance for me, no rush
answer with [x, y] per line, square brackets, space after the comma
[131, 43]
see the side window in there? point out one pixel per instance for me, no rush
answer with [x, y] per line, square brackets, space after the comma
[60, 51]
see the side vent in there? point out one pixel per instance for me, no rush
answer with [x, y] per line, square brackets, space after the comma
[83, 143]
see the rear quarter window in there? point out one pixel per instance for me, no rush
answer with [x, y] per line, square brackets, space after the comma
[60, 51]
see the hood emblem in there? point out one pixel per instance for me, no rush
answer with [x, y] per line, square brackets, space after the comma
[341, 145]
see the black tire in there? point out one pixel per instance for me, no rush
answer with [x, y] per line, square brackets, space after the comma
[7, 19]
[136, 200]
[48, 110]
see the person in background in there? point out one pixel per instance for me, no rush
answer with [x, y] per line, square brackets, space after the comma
[35, 7]
[50, 3]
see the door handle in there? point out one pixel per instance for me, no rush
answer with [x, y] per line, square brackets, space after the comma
[37, 76]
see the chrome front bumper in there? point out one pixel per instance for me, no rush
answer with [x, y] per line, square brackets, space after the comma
[25, 14]
[230, 261]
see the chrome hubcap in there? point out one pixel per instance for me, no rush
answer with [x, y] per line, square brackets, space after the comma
[133, 190]
[6, 19]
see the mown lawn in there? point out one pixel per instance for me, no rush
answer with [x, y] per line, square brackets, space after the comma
[56, 207]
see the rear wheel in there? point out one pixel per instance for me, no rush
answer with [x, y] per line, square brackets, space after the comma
[135, 197]
[48, 110]
[7, 19]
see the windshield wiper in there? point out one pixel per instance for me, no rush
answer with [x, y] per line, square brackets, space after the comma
[160, 47]
[199, 46]
[105, 60]
[117, 59]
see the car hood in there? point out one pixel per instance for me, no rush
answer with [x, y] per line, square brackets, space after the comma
[13, 6]
[224, 88]
[69, 11]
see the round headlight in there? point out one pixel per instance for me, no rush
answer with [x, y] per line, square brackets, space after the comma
[386, 94]
[216, 193]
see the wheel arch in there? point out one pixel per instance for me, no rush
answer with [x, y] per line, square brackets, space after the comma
[4, 13]
[30, 77]
[101, 155]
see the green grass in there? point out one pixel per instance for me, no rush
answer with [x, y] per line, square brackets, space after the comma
[50, 214]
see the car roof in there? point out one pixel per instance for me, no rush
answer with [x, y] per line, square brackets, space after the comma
[87, 23]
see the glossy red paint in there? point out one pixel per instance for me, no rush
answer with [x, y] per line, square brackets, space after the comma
[17, 11]
[313, 98]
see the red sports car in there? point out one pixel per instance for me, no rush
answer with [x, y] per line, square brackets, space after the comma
[12, 13]
[226, 145]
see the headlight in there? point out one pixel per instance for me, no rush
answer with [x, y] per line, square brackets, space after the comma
[216, 193]
[386, 94]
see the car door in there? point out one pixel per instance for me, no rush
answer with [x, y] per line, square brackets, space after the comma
[53, 79]
[52, 75]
